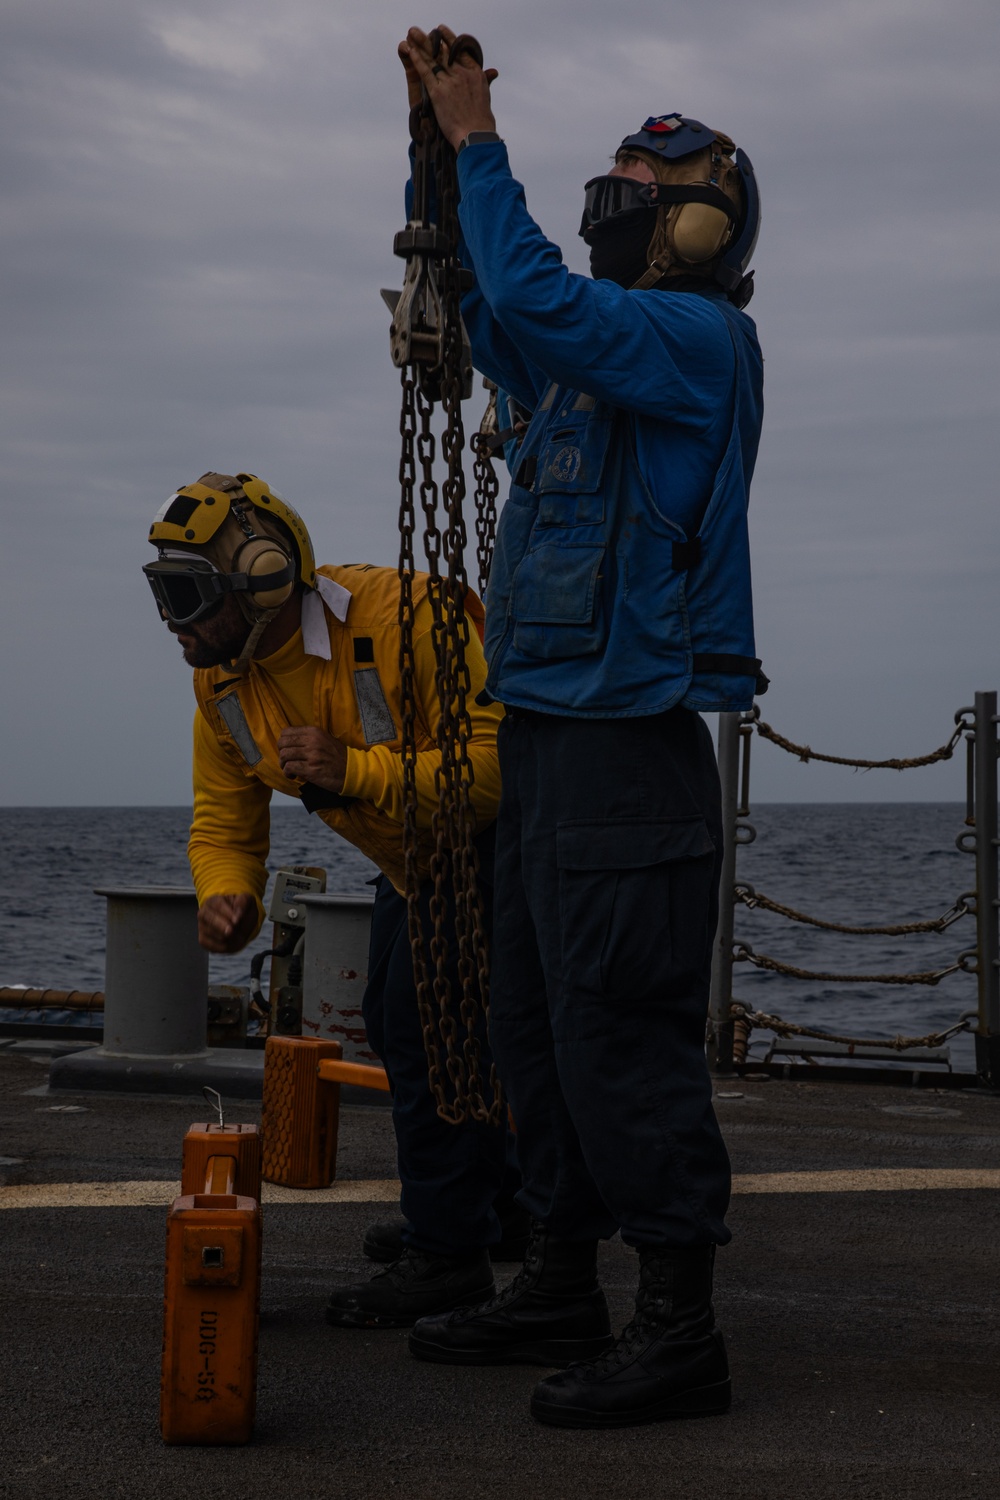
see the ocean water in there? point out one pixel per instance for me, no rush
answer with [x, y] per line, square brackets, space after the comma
[872, 863]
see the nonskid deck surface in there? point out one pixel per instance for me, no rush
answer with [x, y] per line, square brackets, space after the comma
[861, 1313]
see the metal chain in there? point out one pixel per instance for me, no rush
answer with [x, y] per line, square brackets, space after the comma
[805, 753]
[411, 835]
[743, 953]
[454, 863]
[751, 898]
[487, 488]
[752, 1018]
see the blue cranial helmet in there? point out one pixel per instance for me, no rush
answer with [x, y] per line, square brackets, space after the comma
[671, 138]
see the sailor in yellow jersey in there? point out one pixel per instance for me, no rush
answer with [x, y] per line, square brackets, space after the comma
[298, 686]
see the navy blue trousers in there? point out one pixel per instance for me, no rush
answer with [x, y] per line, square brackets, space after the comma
[450, 1174]
[609, 844]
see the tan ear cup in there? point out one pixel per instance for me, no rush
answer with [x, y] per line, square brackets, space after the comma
[698, 231]
[257, 559]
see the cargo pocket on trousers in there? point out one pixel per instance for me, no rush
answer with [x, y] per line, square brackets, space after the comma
[634, 904]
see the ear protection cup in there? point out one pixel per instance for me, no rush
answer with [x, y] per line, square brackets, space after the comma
[259, 558]
[697, 232]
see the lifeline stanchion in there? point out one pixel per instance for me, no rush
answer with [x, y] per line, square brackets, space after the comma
[986, 846]
[721, 1022]
[731, 1023]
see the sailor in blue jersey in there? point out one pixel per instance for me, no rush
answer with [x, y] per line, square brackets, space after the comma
[618, 606]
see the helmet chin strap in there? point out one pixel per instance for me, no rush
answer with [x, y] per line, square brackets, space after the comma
[242, 663]
[654, 272]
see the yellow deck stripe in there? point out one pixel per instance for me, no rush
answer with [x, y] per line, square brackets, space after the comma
[869, 1180]
[386, 1190]
[160, 1194]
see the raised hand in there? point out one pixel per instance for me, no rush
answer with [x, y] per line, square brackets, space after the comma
[459, 93]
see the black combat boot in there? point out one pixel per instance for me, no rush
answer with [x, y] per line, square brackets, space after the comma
[413, 1286]
[383, 1242]
[669, 1362]
[552, 1311]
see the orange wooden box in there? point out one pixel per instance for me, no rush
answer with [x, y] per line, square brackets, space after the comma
[208, 1382]
[203, 1144]
[301, 1113]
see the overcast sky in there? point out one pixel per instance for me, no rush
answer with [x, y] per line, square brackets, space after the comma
[200, 201]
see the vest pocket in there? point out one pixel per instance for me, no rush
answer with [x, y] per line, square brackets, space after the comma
[555, 601]
[572, 460]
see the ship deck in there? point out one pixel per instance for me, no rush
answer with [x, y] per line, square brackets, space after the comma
[860, 1307]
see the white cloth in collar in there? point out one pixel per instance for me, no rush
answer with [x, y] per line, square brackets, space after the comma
[315, 632]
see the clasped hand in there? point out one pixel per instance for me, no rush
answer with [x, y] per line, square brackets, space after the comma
[313, 755]
[459, 94]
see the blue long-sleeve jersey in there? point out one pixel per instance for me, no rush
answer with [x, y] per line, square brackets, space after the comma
[621, 578]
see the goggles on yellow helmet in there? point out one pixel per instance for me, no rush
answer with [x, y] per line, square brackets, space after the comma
[187, 587]
[195, 516]
[227, 534]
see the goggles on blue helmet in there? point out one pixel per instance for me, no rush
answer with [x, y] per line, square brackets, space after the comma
[604, 196]
[671, 138]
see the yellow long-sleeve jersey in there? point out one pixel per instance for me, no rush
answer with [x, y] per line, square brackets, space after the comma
[354, 696]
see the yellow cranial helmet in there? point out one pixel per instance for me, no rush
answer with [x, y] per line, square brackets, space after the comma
[228, 534]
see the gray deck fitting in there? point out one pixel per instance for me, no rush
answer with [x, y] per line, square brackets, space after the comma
[235, 1073]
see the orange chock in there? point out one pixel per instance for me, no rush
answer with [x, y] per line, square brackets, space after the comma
[211, 1304]
[239, 1145]
[301, 1113]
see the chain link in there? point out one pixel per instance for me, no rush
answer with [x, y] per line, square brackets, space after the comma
[743, 953]
[454, 861]
[751, 898]
[806, 753]
[743, 1015]
[487, 488]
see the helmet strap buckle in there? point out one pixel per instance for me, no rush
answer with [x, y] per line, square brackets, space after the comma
[241, 665]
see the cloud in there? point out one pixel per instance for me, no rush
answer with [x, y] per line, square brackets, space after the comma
[199, 209]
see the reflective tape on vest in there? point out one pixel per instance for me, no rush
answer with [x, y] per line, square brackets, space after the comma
[235, 720]
[376, 716]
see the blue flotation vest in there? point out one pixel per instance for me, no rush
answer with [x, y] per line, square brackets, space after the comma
[599, 605]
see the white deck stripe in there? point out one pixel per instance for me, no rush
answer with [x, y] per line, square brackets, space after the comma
[386, 1190]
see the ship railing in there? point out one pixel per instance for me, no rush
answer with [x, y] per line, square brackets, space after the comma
[731, 1022]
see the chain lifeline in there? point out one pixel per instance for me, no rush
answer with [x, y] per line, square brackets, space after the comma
[751, 899]
[454, 1062]
[805, 753]
[748, 1019]
[743, 953]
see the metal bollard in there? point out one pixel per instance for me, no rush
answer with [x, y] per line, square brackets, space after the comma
[156, 975]
[335, 972]
[156, 1006]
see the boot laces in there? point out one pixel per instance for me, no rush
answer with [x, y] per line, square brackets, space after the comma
[522, 1282]
[409, 1264]
[651, 1311]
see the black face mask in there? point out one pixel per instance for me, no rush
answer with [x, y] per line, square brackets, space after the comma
[618, 246]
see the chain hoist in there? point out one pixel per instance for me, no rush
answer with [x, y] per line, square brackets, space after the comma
[430, 347]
